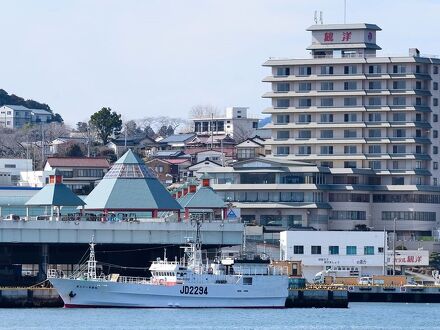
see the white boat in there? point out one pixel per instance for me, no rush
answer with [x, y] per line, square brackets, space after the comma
[188, 284]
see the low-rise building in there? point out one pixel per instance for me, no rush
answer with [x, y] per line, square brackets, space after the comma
[16, 116]
[11, 168]
[169, 170]
[139, 142]
[79, 173]
[250, 148]
[176, 141]
[235, 123]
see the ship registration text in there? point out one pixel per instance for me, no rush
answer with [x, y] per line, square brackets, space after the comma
[194, 290]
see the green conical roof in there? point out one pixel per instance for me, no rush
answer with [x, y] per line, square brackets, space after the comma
[130, 185]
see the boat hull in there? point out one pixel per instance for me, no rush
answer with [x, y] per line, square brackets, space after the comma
[265, 292]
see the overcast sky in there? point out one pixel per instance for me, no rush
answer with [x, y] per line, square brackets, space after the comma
[158, 57]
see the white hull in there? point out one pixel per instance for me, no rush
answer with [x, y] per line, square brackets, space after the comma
[265, 292]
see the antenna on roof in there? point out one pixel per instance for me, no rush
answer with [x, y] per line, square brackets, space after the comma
[315, 17]
[321, 19]
[345, 11]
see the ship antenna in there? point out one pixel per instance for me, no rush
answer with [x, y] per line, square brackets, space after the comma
[91, 263]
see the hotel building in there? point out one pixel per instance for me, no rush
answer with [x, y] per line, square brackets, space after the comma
[369, 126]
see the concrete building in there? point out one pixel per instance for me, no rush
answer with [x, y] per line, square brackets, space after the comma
[361, 252]
[16, 116]
[11, 167]
[372, 120]
[235, 123]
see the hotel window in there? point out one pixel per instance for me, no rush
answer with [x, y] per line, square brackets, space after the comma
[435, 118]
[375, 164]
[282, 103]
[399, 69]
[283, 71]
[304, 87]
[435, 134]
[326, 69]
[374, 69]
[333, 249]
[283, 87]
[417, 68]
[435, 101]
[350, 149]
[418, 101]
[399, 133]
[400, 84]
[351, 250]
[395, 164]
[375, 85]
[326, 86]
[304, 150]
[327, 102]
[376, 132]
[375, 116]
[316, 249]
[435, 165]
[282, 135]
[374, 101]
[282, 119]
[304, 134]
[350, 117]
[399, 100]
[435, 86]
[305, 70]
[327, 164]
[398, 180]
[326, 118]
[282, 150]
[326, 150]
[350, 85]
[350, 101]
[435, 69]
[418, 164]
[374, 149]
[304, 118]
[434, 181]
[327, 134]
[350, 164]
[348, 133]
[435, 150]
[350, 69]
[298, 249]
[399, 149]
[399, 116]
[305, 102]
[369, 250]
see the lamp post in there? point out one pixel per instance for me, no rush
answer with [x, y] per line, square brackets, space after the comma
[394, 245]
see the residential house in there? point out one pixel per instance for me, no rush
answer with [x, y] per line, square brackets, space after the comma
[142, 143]
[169, 170]
[176, 141]
[79, 173]
[16, 116]
[250, 148]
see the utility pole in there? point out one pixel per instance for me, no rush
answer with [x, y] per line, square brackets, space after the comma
[385, 251]
[394, 245]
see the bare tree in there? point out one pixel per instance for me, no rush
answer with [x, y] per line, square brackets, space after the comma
[242, 133]
[204, 111]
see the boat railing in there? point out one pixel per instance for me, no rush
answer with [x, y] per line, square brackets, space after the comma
[133, 280]
[262, 271]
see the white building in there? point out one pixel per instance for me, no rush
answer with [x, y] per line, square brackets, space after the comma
[235, 123]
[16, 116]
[13, 167]
[322, 250]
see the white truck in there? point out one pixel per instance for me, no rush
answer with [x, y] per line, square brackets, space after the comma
[338, 271]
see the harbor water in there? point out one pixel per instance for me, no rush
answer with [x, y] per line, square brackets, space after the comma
[357, 316]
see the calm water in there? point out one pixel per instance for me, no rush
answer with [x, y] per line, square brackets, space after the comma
[358, 316]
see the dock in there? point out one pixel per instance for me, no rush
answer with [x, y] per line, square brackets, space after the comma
[29, 297]
[406, 293]
[316, 297]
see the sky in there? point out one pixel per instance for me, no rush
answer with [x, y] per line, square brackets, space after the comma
[162, 57]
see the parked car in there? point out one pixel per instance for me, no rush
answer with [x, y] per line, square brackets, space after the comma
[12, 217]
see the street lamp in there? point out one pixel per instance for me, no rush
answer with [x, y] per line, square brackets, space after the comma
[394, 245]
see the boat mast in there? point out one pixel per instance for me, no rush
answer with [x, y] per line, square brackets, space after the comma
[91, 263]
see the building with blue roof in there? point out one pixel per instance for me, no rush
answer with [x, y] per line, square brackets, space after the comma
[16, 116]
[131, 186]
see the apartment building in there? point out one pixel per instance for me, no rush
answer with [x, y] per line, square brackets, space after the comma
[16, 116]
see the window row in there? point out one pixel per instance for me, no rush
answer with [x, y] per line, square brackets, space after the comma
[409, 215]
[335, 250]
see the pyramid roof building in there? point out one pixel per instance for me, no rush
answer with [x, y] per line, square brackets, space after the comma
[55, 193]
[130, 186]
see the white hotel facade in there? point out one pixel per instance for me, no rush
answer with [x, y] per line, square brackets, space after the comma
[367, 125]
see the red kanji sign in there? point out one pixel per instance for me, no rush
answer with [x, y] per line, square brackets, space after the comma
[328, 36]
[346, 36]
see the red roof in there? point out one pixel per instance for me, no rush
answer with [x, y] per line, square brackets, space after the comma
[78, 162]
[176, 161]
[194, 150]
